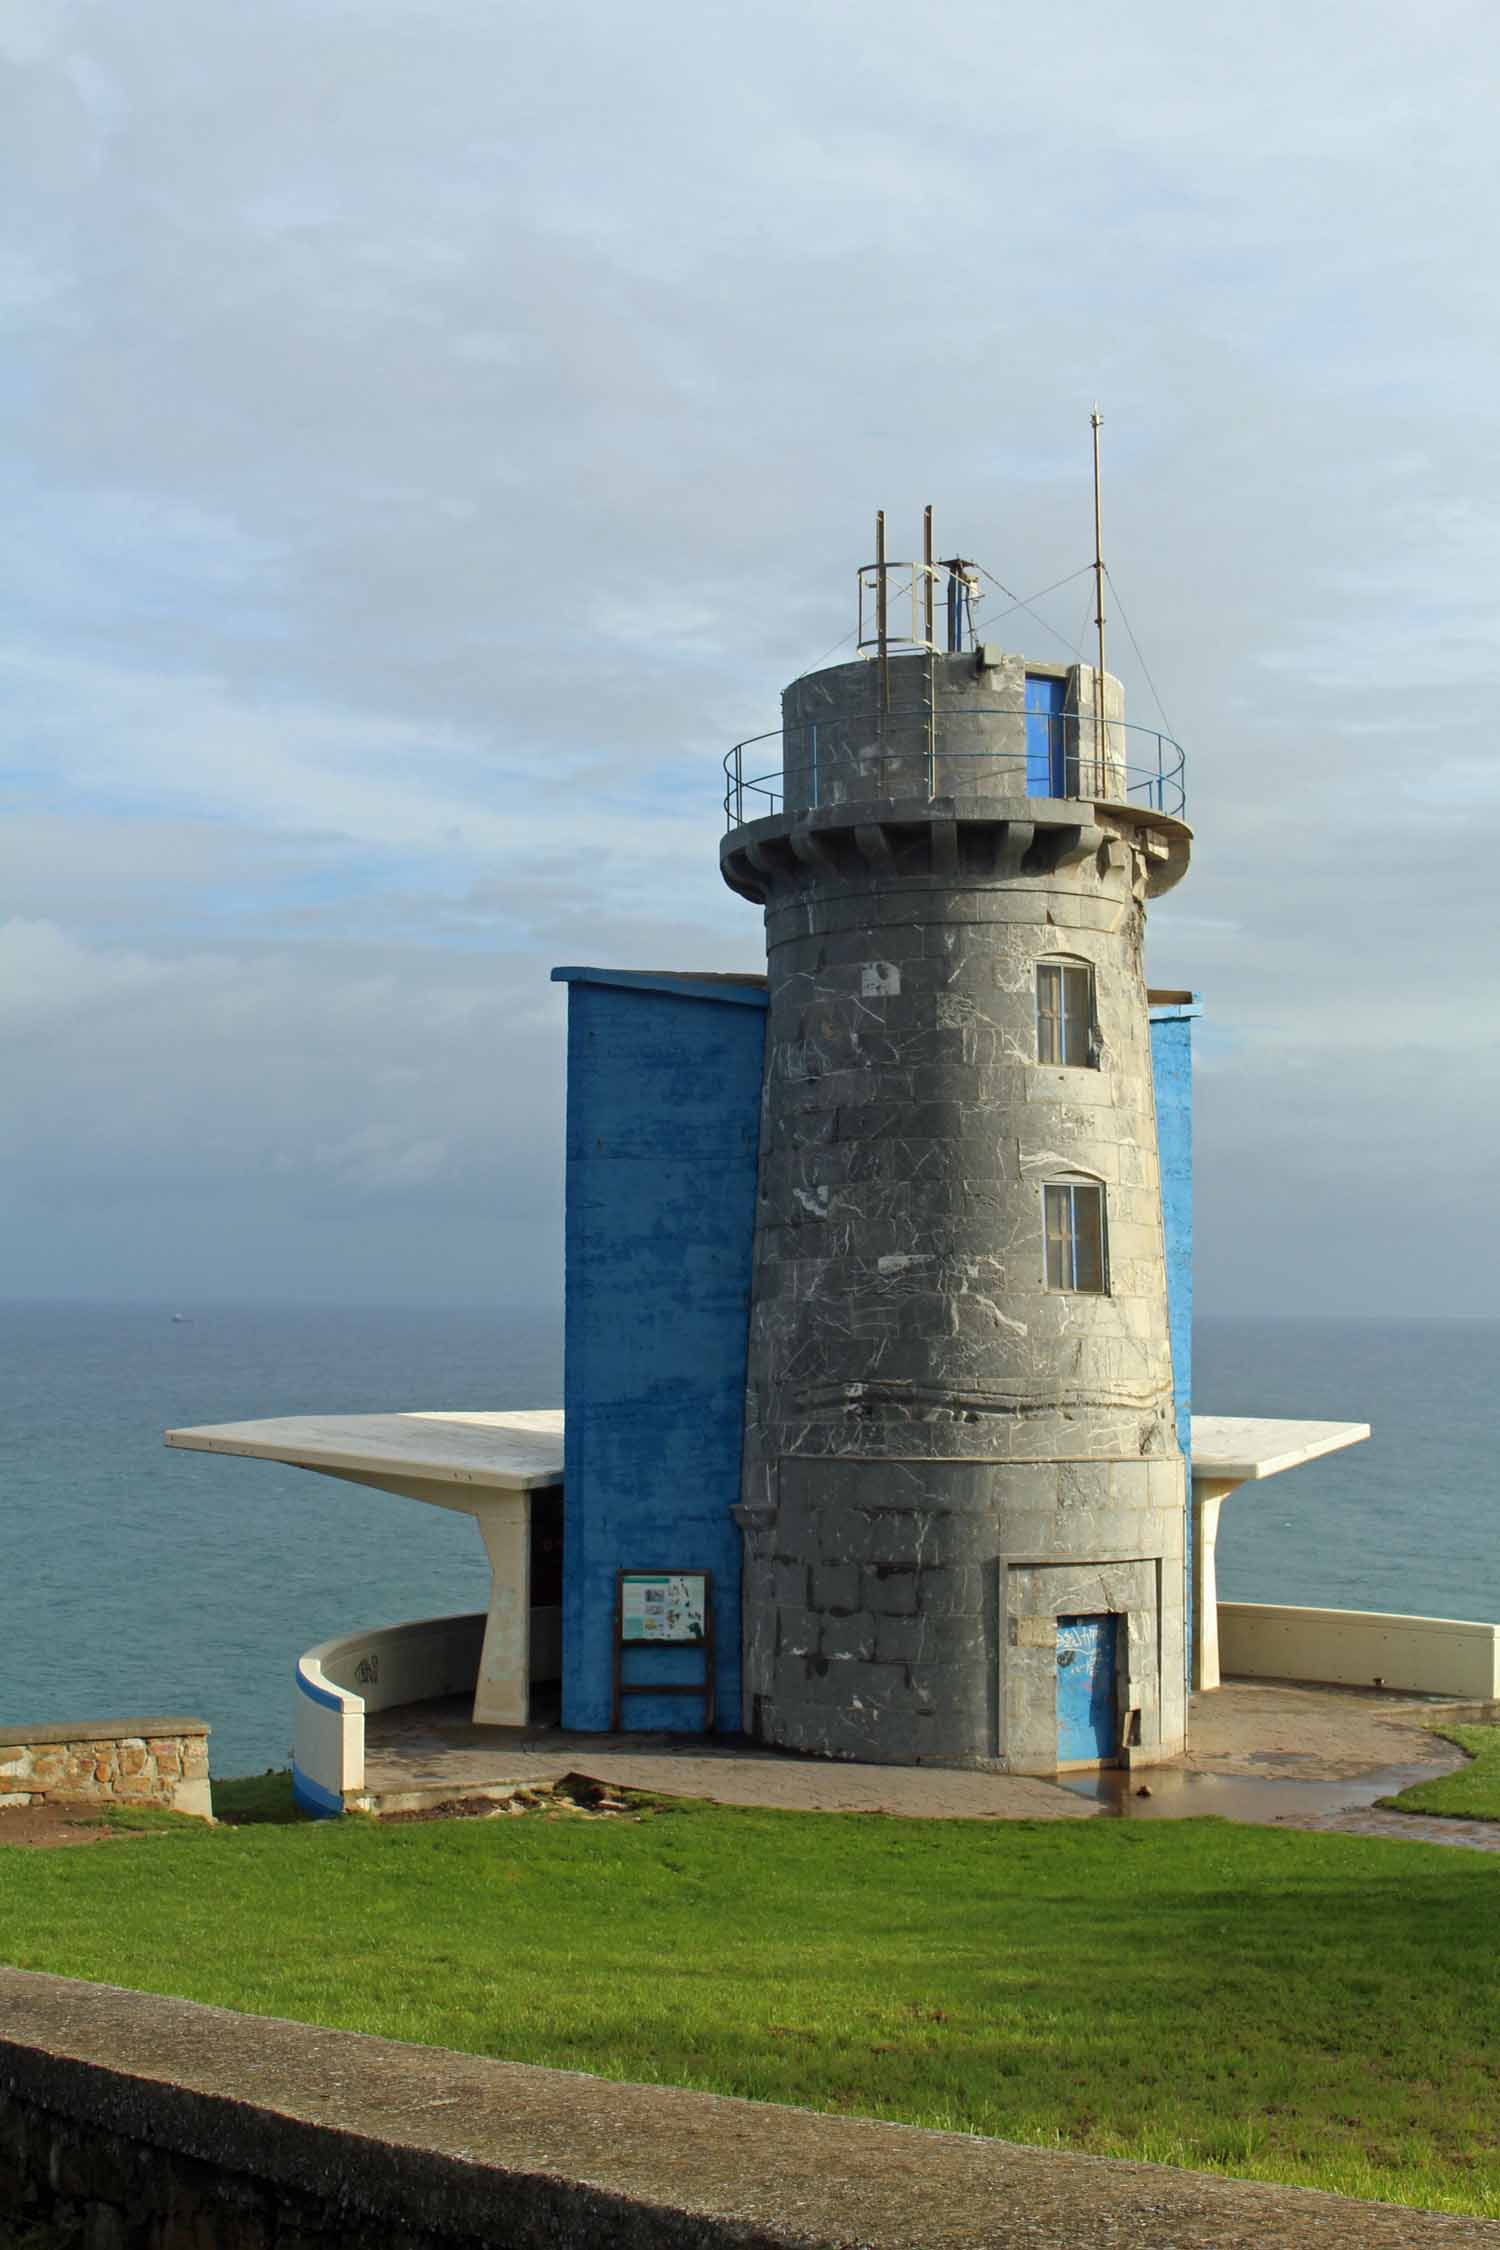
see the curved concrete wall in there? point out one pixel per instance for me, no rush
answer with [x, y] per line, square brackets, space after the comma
[341, 1679]
[1360, 1648]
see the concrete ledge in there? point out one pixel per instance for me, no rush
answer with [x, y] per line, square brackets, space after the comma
[241, 2129]
[1360, 1648]
[99, 1730]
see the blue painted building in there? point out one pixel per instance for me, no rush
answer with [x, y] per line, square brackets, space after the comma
[664, 1081]
[1172, 1076]
[663, 1127]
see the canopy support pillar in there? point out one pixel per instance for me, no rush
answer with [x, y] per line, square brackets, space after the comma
[502, 1692]
[1208, 1494]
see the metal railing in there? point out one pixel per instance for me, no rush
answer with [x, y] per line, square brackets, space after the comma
[1069, 754]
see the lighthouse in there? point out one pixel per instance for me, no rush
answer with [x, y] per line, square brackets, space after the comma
[963, 1499]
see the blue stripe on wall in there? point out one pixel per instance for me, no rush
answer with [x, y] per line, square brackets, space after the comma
[313, 1797]
[662, 1136]
[316, 1694]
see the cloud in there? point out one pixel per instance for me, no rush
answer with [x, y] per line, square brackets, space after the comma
[437, 436]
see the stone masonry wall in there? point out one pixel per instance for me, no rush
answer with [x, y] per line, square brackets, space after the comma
[135, 1761]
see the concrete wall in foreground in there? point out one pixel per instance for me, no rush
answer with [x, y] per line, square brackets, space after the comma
[1360, 1648]
[138, 2123]
[150, 1761]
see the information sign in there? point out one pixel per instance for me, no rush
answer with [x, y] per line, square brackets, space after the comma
[665, 1609]
[661, 1605]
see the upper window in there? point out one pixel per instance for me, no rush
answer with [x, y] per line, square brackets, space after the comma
[1065, 1014]
[1074, 1213]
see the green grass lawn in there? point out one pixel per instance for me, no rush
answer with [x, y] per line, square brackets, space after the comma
[1473, 1793]
[1279, 2005]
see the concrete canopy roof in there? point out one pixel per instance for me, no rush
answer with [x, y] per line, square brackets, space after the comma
[1238, 1446]
[511, 1452]
[522, 1450]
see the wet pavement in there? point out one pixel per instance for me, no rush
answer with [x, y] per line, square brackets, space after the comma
[1179, 1793]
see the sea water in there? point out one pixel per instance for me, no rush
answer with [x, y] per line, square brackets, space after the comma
[134, 1579]
[1409, 1519]
[138, 1580]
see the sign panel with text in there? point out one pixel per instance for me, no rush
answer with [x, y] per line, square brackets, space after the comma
[663, 1605]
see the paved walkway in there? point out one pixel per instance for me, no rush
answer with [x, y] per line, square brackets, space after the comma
[419, 1748]
[1259, 1728]
[1298, 1756]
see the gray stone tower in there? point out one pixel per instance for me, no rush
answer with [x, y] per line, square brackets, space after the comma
[963, 1500]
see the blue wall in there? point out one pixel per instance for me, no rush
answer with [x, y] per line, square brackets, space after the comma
[1172, 1071]
[664, 1077]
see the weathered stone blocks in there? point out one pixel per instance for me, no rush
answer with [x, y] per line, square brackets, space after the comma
[135, 1762]
[890, 1590]
[844, 1638]
[836, 1587]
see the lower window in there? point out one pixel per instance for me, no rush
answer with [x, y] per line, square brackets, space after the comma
[1074, 1212]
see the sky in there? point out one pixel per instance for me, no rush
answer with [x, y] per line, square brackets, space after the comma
[432, 434]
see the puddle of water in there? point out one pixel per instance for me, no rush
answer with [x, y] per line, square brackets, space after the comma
[1177, 1795]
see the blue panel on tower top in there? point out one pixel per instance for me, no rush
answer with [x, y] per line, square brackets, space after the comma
[1044, 734]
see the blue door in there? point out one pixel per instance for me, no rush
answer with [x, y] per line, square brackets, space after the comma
[1044, 735]
[1085, 1689]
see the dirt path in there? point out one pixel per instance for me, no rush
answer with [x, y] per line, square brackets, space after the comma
[47, 1828]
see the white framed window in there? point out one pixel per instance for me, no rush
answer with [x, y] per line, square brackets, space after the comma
[1065, 1015]
[1077, 1251]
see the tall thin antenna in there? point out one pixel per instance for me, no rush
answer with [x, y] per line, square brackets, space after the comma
[1096, 420]
[928, 665]
[880, 618]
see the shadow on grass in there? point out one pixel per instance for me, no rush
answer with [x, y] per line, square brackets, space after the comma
[254, 1800]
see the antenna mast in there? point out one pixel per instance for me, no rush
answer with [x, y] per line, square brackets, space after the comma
[881, 636]
[1096, 421]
